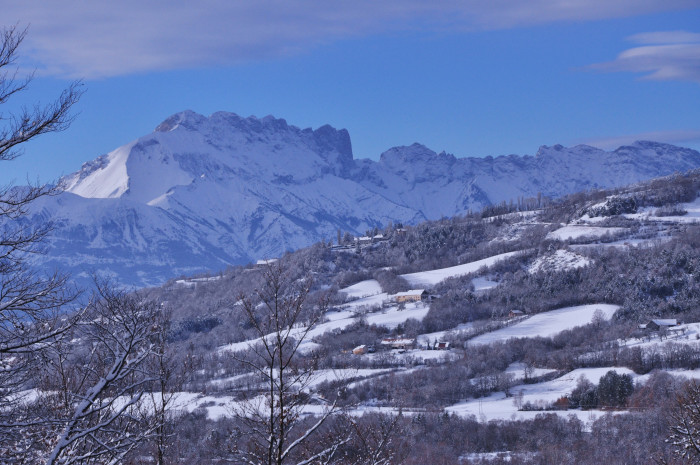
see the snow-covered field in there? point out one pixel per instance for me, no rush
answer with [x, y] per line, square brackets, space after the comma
[431, 278]
[499, 407]
[440, 335]
[624, 243]
[369, 299]
[547, 324]
[369, 306]
[363, 289]
[517, 369]
[218, 407]
[392, 317]
[578, 231]
[346, 374]
[417, 354]
[692, 215]
[483, 283]
[190, 282]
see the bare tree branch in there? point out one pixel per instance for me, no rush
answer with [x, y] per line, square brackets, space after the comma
[274, 430]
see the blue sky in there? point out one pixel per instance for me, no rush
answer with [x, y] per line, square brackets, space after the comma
[472, 78]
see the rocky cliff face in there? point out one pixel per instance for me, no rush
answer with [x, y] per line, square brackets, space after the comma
[203, 192]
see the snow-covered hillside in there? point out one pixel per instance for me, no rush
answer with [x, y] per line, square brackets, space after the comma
[203, 192]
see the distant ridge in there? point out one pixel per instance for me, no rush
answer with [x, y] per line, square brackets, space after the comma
[200, 192]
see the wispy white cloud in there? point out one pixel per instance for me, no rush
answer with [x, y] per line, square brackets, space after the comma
[100, 39]
[665, 56]
[665, 37]
[688, 136]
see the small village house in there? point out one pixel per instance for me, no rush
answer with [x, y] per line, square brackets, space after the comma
[360, 350]
[658, 324]
[369, 239]
[515, 313]
[402, 343]
[414, 295]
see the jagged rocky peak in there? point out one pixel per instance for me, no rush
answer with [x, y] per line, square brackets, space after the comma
[332, 144]
[416, 157]
[328, 138]
[549, 150]
[407, 153]
[187, 119]
[87, 168]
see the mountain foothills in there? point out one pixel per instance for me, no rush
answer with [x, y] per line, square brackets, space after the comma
[201, 193]
[561, 334]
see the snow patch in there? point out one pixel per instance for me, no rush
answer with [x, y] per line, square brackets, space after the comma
[560, 260]
[433, 277]
[498, 406]
[366, 288]
[547, 324]
[108, 181]
[579, 231]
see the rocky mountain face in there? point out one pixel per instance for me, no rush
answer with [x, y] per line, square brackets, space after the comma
[200, 193]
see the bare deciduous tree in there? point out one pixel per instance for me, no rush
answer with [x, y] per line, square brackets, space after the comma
[31, 318]
[685, 423]
[30, 122]
[110, 407]
[374, 437]
[170, 375]
[273, 427]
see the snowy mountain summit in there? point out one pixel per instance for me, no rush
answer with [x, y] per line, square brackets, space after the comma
[188, 147]
[200, 193]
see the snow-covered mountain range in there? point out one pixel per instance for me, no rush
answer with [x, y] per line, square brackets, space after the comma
[200, 193]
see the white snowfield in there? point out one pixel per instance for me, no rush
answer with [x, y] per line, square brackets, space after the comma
[499, 407]
[419, 355]
[392, 317]
[433, 277]
[518, 370]
[578, 231]
[369, 297]
[191, 282]
[369, 307]
[547, 324]
[494, 407]
[427, 338]
[692, 215]
[317, 377]
[226, 406]
[363, 289]
[483, 283]
[218, 407]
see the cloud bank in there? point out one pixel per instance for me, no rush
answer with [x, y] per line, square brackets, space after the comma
[94, 39]
[662, 56]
